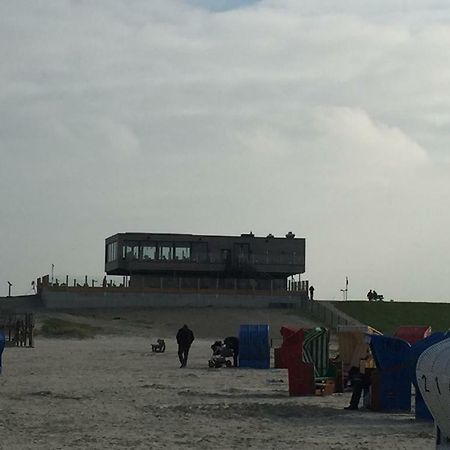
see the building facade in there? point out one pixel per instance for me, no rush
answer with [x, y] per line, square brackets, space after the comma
[163, 260]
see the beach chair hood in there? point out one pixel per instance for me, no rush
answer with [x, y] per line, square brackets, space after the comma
[433, 377]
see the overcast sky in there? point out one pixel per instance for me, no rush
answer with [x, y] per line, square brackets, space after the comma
[328, 119]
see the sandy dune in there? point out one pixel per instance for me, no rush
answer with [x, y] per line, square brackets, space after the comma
[112, 392]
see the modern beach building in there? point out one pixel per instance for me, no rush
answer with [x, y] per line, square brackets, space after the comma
[188, 261]
[165, 270]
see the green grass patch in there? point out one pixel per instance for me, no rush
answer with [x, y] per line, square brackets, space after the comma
[388, 316]
[64, 328]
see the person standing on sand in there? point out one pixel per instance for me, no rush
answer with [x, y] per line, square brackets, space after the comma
[360, 380]
[311, 293]
[2, 346]
[185, 338]
[232, 342]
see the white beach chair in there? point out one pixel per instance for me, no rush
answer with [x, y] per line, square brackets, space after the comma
[433, 377]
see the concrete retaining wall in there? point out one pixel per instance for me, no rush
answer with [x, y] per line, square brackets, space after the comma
[110, 299]
[21, 303]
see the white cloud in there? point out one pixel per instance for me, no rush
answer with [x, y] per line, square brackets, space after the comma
[365, 143]
[326, 118]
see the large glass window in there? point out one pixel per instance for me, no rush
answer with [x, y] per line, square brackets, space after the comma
[148, 251]
[182, 252]
[165, 251]
[111, 252]
[130, 250]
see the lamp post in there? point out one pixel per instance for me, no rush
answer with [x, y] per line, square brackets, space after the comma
[9, 288]
[345, 291]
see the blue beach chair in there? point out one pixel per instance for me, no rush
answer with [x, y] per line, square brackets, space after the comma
[392, 390]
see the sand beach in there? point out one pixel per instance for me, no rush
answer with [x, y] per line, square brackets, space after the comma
[112, 392]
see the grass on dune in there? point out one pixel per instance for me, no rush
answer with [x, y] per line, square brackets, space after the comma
[388, 316]
[54, 327]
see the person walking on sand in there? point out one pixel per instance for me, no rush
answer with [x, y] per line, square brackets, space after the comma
[185, 338]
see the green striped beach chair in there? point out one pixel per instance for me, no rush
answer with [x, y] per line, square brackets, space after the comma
[316, 350]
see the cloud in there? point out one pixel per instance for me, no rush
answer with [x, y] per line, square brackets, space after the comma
[222, 5]
[365, 143]
[328, 119]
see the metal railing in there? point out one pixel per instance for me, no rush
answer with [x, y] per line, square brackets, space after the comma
[326, 313]
[168, 284]
[18, 328]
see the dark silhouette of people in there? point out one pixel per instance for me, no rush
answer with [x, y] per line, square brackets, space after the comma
[2, 346]
[185, 338]
[360, 382]
[370, 295]
[311, 292]
[159, 347]
[216, 347]
[232, 342]
[360, 378]
[374, 295]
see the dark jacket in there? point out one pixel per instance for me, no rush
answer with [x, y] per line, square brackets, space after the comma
[185, 337]
[233, 343]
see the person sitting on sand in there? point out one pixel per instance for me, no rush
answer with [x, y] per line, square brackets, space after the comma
[185, 338]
